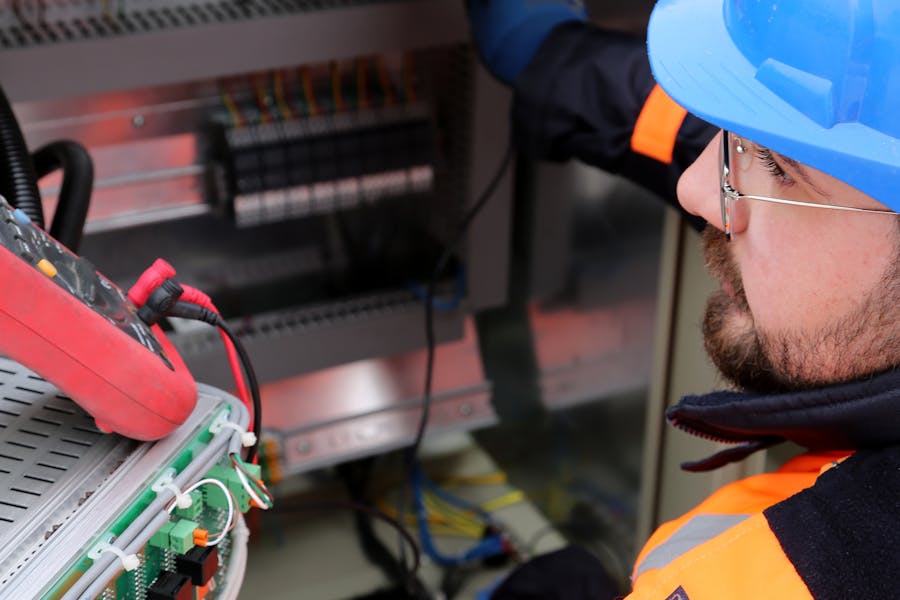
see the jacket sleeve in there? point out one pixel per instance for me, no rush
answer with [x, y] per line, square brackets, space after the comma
[589, 94]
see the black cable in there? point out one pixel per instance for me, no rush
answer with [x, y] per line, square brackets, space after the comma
[75, 192]
[186, 310]
[18, 182]
[442, 263]
[356, 476]
[362, 508]
[252, 383]
[430, 342]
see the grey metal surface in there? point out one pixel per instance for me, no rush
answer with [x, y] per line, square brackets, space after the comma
[63, 482]
[217, 48]
[373, 406]
[488, 248]
[287, 343]
[595, 243]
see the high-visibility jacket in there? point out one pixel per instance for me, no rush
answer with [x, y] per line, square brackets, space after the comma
[826, 526]
[725, 548]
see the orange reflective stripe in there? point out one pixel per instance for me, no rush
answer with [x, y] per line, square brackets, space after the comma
[744, 563]
[700, 529]
[748, 496]
[657, 126]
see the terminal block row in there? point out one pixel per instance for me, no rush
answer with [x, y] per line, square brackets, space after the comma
[273, 171]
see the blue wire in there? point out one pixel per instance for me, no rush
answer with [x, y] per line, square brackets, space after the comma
[489, 546]
[443, 305]
[455, 500]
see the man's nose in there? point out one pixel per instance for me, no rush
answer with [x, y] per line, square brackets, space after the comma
[699, 188]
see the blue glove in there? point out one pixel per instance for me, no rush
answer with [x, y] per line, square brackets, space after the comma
[509, 32]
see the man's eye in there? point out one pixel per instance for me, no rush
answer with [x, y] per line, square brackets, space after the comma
[768, 161]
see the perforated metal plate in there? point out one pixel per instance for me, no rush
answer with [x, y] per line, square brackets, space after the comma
[47, 442]
[62, 482]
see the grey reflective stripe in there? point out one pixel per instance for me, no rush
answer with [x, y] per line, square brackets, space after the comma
[696, 531]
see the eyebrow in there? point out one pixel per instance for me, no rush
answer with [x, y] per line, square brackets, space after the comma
[802, 172]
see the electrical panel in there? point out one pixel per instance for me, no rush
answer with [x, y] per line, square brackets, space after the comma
[305, 163]
[301, 198]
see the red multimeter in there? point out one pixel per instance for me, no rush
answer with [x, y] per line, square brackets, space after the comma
[76, 329]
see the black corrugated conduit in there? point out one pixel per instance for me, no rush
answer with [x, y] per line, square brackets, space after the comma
[18, 182]
[75, 192]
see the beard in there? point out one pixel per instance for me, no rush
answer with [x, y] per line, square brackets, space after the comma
[862, 343]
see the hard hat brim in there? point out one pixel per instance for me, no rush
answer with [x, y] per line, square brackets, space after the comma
[696, 62]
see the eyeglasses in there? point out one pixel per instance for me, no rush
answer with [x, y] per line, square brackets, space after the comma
[729, 195]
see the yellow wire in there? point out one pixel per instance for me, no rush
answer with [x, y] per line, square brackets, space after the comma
[308, 91]
[461, 520]
[448, 519]
[438, 522]
[283, 107]
[495, 478]
[232, 108]
[508, 499]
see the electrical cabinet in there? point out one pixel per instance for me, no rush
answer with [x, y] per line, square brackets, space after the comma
[303, 162]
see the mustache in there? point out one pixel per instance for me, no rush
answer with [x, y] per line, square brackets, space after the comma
[721, 264]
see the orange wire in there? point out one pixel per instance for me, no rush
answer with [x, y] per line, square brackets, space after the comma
[408, 78]
[231, 106]
[308, 92]
[264, 114]
[336, 91]
[280, 97]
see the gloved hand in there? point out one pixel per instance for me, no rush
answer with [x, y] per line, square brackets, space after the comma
[508, 33]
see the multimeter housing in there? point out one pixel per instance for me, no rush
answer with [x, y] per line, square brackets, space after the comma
[75, 328]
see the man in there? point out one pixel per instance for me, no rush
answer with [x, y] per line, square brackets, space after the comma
[799, 190]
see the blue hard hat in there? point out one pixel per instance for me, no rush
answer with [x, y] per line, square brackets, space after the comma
[815, 80]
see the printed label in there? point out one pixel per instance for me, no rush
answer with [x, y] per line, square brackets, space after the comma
[678, 594]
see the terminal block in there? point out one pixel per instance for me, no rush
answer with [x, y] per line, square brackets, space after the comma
[175, 536]
[318, 164]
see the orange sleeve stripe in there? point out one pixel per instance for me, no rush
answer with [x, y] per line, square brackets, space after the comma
[657, 126]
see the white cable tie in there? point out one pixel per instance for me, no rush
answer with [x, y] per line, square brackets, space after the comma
[248, 438]
[166, 481]
[130, 562]
[181, 500]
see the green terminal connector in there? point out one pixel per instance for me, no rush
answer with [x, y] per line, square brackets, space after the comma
[160, 539]
[193, 511]
[181, 537]
[215, 497]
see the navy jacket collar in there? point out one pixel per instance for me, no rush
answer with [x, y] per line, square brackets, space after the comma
[847, 416]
